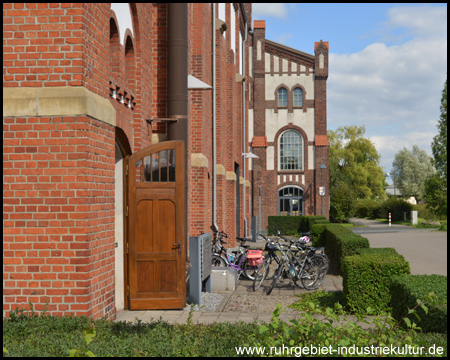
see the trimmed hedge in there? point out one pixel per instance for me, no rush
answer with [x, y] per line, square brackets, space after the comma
[406, 289]
[318, 235]
[293, 225]
[387, 251]
[341, 242]
[367, 279]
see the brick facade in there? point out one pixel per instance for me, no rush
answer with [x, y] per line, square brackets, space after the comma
[82, 89]
[77, 85]
[274, 67]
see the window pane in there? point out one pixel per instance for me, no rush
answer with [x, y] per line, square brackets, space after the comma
[291, 151]
[298, 97]
[282, 97]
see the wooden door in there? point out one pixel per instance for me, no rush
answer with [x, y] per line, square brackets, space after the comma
[156, 227]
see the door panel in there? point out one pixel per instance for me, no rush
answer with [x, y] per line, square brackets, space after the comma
[157, 227]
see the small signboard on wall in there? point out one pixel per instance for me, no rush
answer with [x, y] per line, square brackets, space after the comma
[321, 190]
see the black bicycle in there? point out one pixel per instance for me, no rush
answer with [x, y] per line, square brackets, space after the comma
[300, 263]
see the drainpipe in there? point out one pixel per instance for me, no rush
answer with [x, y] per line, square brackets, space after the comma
[244, 143]
[177, 107]
[214, 118]
[177, 92]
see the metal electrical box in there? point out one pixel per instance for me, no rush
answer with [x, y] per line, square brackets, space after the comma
[200, 254]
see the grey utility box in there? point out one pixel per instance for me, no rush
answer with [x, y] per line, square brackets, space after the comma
[224, 279]
[200, 251]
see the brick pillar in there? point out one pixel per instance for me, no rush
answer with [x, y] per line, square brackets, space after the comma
[321, 144]
[58, 202]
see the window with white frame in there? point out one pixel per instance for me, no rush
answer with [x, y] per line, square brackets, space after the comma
[298, 97]
[282, 97]
[291, 151]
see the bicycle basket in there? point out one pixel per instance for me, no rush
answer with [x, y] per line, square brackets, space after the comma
[255, 257]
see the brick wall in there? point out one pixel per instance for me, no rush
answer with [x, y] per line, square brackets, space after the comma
[58, 215]
[59, 167]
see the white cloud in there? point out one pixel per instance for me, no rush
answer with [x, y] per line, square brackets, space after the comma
[420, 20]
[264, 10]
[395, 91]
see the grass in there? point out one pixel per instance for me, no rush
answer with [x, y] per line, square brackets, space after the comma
[42, 336]
[27, 334]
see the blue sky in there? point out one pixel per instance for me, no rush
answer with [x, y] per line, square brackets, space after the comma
[387, 65]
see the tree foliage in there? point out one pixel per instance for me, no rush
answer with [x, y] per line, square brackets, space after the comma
[439, 144]
[354, 170]
[435, 189]
[411, 169]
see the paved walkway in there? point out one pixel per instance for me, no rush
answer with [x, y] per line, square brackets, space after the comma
[287, 290]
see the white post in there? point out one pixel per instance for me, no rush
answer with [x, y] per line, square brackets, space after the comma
[390, 219]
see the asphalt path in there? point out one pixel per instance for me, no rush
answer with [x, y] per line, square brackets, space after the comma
[425, 250]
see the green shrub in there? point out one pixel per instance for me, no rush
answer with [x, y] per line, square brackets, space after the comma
[396, 207]
[318, 235]
[293, 225]
[367, 208]
[424, 212]
[341, 242]
[387, 251]
[317, 326]
[407, 288]
[367, 278]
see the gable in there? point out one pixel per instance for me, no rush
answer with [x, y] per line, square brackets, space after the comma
[289, 54]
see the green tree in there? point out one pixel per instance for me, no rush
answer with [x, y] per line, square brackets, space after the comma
[439, 144]
[435, 189]
[411, 169]
[354, 170]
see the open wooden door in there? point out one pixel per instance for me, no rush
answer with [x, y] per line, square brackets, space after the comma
[156, 226]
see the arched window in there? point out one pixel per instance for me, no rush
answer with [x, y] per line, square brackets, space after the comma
[291, 151]
[282, 97]
[290, 201]
[298, 97]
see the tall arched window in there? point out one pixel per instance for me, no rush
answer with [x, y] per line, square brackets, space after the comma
[290, 201]
[298, 97]
[291, 151]
[282, 97]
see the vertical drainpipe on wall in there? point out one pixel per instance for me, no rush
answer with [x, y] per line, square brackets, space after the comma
[214, 118]
[177, 79]
[177, 75]
[244, 142]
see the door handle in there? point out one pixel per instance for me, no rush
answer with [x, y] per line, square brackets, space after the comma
[177, 246]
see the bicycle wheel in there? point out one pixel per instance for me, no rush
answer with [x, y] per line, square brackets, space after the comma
[218, 260]
[249, 271]
[314, 272]
[261, 274]
[277, 275]
[273, 264]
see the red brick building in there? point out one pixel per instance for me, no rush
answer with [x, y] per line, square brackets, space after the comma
[288, 129]
[125, 131]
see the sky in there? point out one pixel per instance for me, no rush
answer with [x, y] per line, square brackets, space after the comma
[387, 65]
